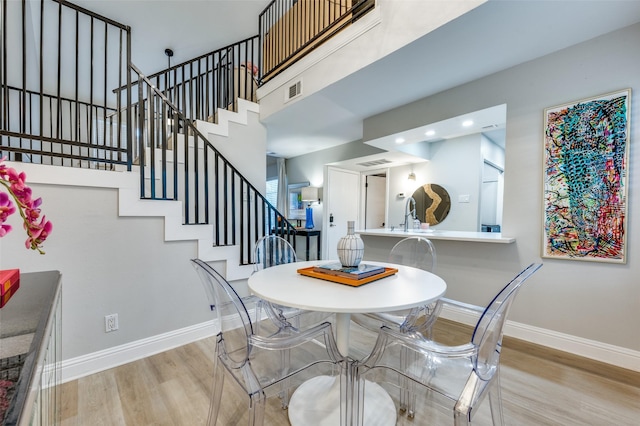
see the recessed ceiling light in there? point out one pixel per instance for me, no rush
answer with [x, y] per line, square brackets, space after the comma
[399, 140]
[430, 132]
[467, 123]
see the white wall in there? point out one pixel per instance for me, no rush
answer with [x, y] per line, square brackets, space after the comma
[595, 302]
[246, 149]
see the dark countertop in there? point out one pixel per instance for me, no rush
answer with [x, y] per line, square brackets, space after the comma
[24, 324]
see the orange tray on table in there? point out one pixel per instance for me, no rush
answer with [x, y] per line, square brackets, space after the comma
[348, 281]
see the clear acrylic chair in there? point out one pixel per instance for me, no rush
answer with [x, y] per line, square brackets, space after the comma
[263, 366]
[457, 377]
[420, 253]
[272, 250]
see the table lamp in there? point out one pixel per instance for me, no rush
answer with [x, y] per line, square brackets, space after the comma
[309, 195]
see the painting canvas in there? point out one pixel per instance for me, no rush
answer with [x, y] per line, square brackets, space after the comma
[586, 146]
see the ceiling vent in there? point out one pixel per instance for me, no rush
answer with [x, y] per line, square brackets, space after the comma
[293, 91]
[373, 163]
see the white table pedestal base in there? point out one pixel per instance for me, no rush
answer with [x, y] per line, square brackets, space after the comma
[317, 402]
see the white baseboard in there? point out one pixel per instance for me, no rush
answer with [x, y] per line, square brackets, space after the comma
[95, 362]
[609, 354]
[85, 365]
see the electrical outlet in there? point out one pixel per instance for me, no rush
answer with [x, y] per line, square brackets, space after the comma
[110, 323]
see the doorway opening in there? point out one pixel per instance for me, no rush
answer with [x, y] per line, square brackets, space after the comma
[491, 198]
[375, 200]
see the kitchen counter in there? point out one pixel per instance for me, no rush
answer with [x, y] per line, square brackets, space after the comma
[436, 234]
[30, 350]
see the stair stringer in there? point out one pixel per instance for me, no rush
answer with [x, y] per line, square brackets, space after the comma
[130, 204]
[225, 116]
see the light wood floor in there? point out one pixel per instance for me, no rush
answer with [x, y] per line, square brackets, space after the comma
[539, 387]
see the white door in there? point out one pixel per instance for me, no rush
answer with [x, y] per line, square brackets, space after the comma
[342, 195]
[375, 204]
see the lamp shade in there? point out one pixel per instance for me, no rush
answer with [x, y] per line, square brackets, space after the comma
[309, 193]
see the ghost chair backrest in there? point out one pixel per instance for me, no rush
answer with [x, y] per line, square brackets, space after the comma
[272, 250]
[417, 252]
[487, 335]
[229, 308]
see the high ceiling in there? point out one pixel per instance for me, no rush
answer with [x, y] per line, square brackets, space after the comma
[188, 27]
[497, 35]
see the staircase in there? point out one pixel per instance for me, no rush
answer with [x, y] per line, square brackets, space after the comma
[130, 203]
[158, 126]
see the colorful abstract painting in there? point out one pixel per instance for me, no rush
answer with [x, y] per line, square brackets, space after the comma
[586, 147]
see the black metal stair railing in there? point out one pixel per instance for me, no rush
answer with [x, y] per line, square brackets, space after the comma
[84, 135]
[58, 62]
[202, 85]
[177, 162]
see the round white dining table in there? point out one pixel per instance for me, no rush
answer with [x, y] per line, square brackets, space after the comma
[315, 402]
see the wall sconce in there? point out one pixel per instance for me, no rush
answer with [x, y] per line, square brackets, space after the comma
[309, 194]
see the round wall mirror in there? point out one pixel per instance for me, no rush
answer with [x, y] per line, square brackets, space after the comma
[432, 203]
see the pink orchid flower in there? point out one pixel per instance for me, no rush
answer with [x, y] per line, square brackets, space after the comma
[38, 234]
[29, 208]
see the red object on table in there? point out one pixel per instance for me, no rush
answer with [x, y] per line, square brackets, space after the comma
[9, 284]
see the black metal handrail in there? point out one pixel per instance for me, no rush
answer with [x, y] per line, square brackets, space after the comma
[55, 105]
[177, 162]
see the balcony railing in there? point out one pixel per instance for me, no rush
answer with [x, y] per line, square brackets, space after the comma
[290, 29]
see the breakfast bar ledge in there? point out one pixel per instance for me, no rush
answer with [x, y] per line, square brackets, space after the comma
[435, 234]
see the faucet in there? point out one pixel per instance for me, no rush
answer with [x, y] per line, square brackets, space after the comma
[408, 213]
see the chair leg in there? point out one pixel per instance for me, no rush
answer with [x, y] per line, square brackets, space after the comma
[404, 391]
[411, 389]
[258, 314]
[461, 419]
[285, 363]
[495, 400]
[256, 409]
[216, 392]
[408, 398]
[353, 387]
